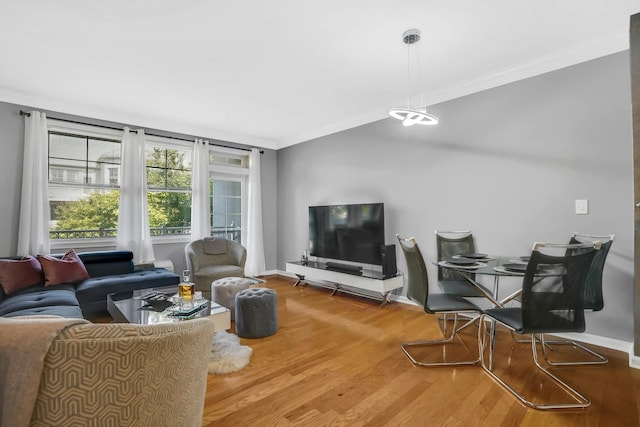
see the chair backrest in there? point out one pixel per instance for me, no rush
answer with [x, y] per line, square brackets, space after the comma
[417, 279]
[197, 256]
[450, 243]
[593, 296]
[553, 289]
[125, 374]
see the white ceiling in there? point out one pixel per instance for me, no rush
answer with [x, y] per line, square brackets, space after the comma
[273, 73]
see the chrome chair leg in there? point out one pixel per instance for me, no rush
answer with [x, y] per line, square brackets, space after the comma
[448, 338]
[548, 344]
[547, 347]
[580, 401]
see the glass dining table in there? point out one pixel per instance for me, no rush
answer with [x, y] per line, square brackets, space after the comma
[470, 266]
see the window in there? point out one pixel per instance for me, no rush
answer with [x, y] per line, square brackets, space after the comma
[219, 158]
[169, 192]
[83, 196]
[229, 172]
[113, 176]
[84, 184]
[226, 208]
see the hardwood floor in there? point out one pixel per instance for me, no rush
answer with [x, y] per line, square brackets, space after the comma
[337, 361]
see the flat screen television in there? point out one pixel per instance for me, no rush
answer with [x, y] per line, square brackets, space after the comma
[347, 232]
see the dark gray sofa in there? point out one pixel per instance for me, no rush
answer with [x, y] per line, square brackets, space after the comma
[109, 271]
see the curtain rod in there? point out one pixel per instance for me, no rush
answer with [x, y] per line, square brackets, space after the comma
[26, 113]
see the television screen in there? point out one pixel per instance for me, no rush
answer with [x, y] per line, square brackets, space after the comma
[347, 232]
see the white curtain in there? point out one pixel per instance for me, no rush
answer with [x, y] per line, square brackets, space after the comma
[255, 264]
[133, 218]
[200, 221]
[33, 230]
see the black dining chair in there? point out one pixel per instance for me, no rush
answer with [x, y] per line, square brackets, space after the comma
[448, 244]
[552, 302]
[593, 299]
[437, 303]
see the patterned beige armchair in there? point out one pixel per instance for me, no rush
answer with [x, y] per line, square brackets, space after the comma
[213, 258]
[123, 375]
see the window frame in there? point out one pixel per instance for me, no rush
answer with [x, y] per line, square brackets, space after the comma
[172, 144]
[89, 131]
[226, 171]
[98, 132]
[231, 172]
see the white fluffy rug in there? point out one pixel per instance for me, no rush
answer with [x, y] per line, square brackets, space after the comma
[227, 355]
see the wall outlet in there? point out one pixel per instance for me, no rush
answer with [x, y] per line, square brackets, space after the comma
[582, 207]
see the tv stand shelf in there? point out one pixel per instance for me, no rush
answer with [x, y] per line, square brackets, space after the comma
[366, 283]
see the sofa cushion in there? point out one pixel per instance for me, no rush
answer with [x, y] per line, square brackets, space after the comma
[107, 263]
[68, 269]
[39, 299]
[18, 274]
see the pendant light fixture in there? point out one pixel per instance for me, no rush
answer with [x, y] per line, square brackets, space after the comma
[413, 116]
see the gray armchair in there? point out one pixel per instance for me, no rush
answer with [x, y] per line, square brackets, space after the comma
[213, 258]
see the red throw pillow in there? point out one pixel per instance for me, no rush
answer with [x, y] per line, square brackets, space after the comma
[69, 269]
[18, 274]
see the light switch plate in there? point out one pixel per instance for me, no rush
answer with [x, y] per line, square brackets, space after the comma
[582, 207]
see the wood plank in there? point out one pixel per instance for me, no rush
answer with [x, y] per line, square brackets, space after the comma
[337, 361]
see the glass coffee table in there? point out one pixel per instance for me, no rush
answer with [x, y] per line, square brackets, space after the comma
[145, 307]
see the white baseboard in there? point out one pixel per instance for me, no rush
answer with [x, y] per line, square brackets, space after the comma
[610, 343]
[272, 272]
[404, 300]
[613, 344]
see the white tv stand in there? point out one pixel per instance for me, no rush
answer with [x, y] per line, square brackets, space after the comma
[370, 284]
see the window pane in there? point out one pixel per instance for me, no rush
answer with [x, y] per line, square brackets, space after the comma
[67, 147]
[77, 209]
[168, 168]
[233, 206]
[104, 151]
[227, 209]
[234, 221]
[81, 212]
[101, 173]
[178, 179]
[219, 221]
[156, 177]
[229, 160]
[68, 171]
[169, 213]
[155, 156]
[234, 188]
[219, 187]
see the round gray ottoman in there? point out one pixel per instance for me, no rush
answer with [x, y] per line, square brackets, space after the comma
[256, 313]
[223, 291]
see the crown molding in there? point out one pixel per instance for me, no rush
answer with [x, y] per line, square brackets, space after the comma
[587, 51]
[557, 60]
[137, 120]
[615, 42]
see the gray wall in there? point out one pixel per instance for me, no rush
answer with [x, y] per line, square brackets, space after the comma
[11, 143]
[507, 163]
